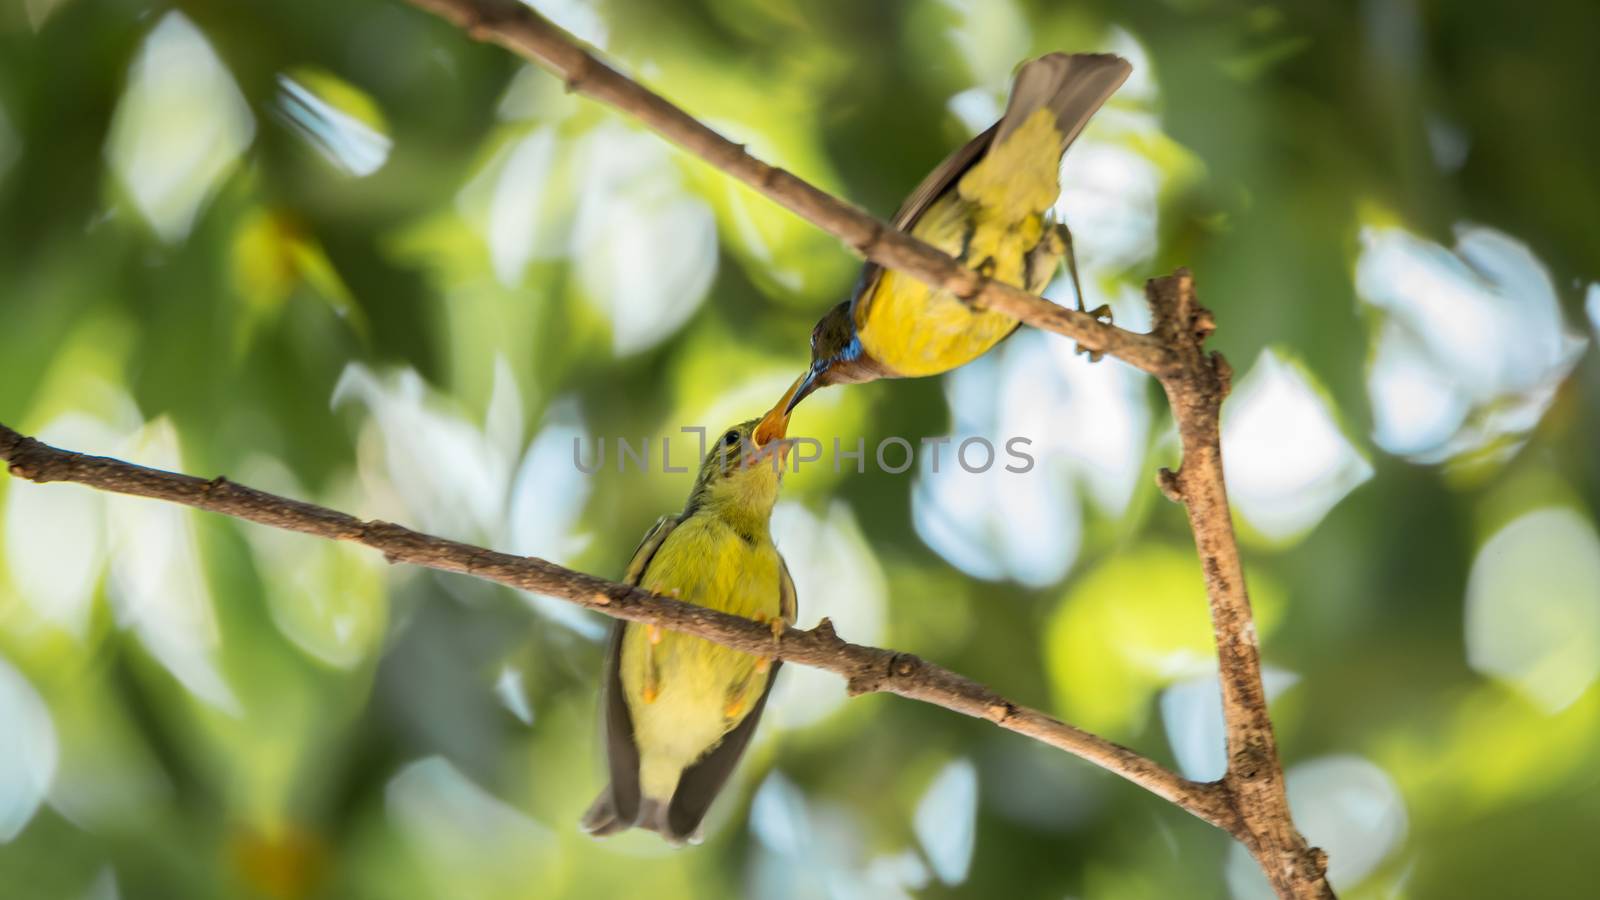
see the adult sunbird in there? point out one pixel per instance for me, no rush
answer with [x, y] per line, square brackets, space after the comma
[988, 205]
[678, 710]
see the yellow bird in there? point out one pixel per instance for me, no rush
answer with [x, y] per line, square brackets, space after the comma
[678, 710]
[988, 205]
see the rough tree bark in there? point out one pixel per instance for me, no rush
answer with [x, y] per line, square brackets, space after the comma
[865, 669]
[1249, 802]
[1195, 384]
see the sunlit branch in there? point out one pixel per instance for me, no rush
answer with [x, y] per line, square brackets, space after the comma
[519, 29]
[1254, 780]
[866, 669]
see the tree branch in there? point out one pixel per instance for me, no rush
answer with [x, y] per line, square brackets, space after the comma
[517, 28]
[1254, 780]
[1195, 384]
[1250, 802]
[865, 669]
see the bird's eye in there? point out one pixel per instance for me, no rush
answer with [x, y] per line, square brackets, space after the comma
[731, 439]
[816, 336]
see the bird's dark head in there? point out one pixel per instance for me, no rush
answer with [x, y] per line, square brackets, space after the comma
[835, 352]
[834, 337]
[836, 358]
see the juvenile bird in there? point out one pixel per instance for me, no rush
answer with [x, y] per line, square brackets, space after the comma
[988, 205]
[678, 710]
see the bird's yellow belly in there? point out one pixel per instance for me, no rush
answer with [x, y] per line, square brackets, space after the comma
[916, 330]
[685, 693]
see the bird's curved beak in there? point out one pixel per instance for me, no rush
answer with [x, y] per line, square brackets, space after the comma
[775, 424]
[803, 387]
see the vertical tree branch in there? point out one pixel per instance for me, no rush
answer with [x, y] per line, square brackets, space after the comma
[1196, 388]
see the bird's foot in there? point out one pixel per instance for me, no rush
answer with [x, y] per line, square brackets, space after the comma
[1101, 314]
[777, 625]
[1061, 240]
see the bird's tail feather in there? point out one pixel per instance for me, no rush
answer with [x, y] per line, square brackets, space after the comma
[1073, 86]
[653, 815]
[602, 820]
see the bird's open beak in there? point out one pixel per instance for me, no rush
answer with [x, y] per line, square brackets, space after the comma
[769, 436]
[775, 424]
[772, 427]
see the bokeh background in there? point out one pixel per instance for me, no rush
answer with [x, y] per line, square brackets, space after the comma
[337, 251]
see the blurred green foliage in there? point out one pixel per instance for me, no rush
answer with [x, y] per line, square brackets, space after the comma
[355, 184]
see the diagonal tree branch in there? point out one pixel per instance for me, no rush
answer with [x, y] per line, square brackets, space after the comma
[1195, 389]
[517, 28]
[866, 669]
[1195, 384]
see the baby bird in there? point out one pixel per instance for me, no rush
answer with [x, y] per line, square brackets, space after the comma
[679, 710]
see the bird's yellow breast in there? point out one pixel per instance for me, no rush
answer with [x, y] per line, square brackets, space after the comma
[994, 219]
[685, 693]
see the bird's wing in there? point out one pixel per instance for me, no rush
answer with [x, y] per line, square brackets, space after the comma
[916, 203]
[1073, 86]
[622, 754]
[702, 782]
[647, 548]
[788, 600]
[943, 175]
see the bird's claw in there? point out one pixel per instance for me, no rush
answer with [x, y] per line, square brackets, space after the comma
[777, 625]
[1101, 314]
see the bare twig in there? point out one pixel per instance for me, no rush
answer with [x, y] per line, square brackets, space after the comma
[1195, 384]
[866, 669]
[1254, 780]
[517, 28]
